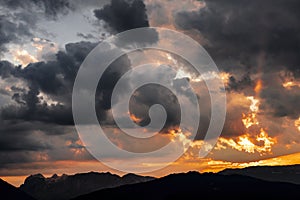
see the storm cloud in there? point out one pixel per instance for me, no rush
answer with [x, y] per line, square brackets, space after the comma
[123, 15]
[240, 30]
[250, 38]
[54, 80]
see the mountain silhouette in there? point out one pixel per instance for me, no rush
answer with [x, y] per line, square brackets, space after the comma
[289, 174]
[194, 185]
[10, 192]
[252, 182]
[68, 186]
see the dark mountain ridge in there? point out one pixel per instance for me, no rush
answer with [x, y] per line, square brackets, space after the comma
[289, 173]
[10, 192]
[262, 181]
[194, 185]
[69, 186]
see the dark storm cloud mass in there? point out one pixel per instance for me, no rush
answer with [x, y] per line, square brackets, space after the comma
[239, 30]
[54, 80]
[278, 100]
[6, 69]
[30, 142]
[14, 137]
[246, 38]
[29, 120]
[241, 84]
[148, 95]
[122, 15]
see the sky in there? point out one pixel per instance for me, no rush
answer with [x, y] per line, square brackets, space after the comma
[255, 45]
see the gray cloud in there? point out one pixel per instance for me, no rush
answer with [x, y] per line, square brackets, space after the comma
[55, 80]
[123, 15]
[238, 31]
[250, 38]
[10, 31]
[49, 7]
[280, 101]
[149, 95]
[86, 36]
[19, 17]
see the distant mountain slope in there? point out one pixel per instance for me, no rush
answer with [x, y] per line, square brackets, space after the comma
[289, 174]
[193, 185]
[66, 187]
[8, 191]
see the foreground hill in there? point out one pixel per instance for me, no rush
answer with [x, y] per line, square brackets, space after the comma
[289, 174]
[194, 185]
[65, 187]
[8, 191]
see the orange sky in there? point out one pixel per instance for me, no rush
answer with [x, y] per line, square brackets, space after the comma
[181, 165]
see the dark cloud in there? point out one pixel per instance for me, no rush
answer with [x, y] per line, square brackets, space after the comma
[279, 101]
[86, 36]
[251, 38]
[54, 80]
[10, 31]
[19, 17]
[151, 94]
[6, 69]
[30, 121]
[19, 140]
[238, 31]
[123, 15]
[244, 84]
[30, 142]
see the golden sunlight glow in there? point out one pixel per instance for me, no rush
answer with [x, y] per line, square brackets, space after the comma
[225, 77]
[218, 165]
[254, 104]
[135, 118]
[178, 136]
[250, 118]
[258, 86]
[248, 144]
[23, 57]
[297, 123]
[290, 84]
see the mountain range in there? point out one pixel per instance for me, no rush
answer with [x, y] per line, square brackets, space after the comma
[68, 186]
[8, 191]
[194, 185]
[251, 182]
[289, 174]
